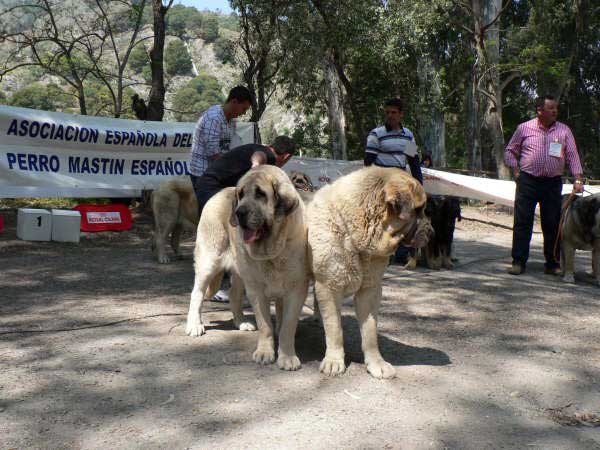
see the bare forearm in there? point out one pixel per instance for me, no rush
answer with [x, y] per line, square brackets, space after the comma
[258, 158]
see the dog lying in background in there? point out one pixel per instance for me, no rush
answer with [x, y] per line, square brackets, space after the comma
[581, 231]
[443, 211]
[175, 208]
[303, 185]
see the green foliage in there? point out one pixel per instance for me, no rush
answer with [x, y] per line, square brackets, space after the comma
[35, 96]
[183, 20]
[176, 20]
[229, 22]
[177, 59]
[147, 73]
[210, 28]
[195, 97]
[100, 102]
[138, 58]
[193, 23]
[310, 135]
[224, 50]
[204, 83]
[123, 18]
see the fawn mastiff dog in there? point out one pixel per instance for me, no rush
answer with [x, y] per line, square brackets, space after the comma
[354, 225]
[256, 231]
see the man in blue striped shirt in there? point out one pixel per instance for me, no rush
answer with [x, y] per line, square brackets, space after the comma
[392, 145]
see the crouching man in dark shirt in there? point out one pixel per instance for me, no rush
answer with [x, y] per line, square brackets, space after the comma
[227, 170]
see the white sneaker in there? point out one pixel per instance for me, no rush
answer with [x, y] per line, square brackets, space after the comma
[221, 297]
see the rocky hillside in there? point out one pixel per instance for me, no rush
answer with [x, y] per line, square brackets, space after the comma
[275, 120]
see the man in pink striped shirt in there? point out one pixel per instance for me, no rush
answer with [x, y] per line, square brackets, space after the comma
[537, 153]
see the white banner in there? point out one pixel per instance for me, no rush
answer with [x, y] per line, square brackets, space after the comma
[48, 154]
[501, 192]
[322, 171]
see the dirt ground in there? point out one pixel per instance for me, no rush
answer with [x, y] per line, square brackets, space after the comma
[93, 355]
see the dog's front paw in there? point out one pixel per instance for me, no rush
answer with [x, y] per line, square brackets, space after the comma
[264, 356]
[194, 326]
[247, 326]
[381, 369]
[332, 366]
[411, 263]
[288, 362]
[569, 278]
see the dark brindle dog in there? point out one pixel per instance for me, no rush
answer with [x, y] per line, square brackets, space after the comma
[443, 211]
[581, 231]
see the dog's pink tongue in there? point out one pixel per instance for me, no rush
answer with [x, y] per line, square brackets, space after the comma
[251, 235]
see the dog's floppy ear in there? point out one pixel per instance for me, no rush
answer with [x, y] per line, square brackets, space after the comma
[399, 197]
[286, 198]
[233, 221]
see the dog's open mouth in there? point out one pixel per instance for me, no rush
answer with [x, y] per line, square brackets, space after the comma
[251, 235]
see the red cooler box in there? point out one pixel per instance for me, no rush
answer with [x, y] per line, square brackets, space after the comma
[115, 217]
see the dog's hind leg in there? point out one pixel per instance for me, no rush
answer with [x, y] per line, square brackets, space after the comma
[567, 254]
[175, 238]
[236, 296]
[205, 270]
[164, 208]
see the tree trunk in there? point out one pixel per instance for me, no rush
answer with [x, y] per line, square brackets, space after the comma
[473, 140]
[81, 99]
[335, 110]
[359, 129]
[156, 99]
[432, 127]
[492, 104]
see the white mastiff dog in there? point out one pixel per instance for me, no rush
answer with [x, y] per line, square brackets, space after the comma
[354, 225]
[257, 231]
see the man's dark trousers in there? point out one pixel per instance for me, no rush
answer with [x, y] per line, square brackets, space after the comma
[204, 188]
[530, 191]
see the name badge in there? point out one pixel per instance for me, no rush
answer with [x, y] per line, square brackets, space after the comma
[555, 149]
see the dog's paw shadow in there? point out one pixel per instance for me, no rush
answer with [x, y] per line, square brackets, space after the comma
[310, 346]
[221, 325]
[586, 278]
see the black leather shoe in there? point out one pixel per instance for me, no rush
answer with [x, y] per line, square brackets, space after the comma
[516, 269]
[556, 271]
